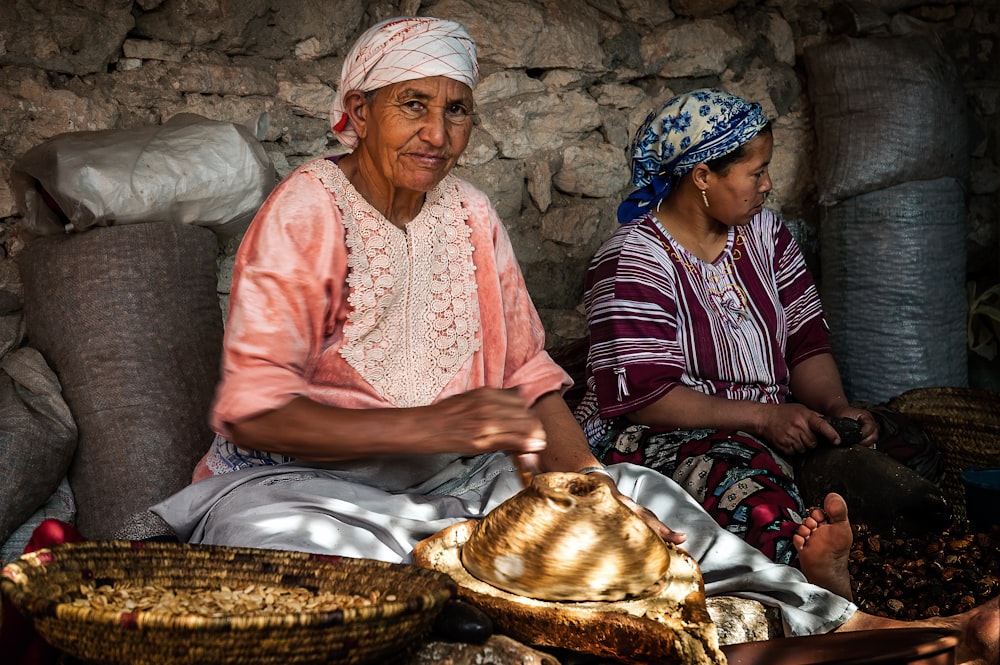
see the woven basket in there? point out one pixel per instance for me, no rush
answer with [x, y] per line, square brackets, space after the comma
[38, 584]
[964, 423]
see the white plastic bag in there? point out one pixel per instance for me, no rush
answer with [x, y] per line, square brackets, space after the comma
[191, 170]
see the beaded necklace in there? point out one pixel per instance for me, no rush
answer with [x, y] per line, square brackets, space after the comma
[727, 298]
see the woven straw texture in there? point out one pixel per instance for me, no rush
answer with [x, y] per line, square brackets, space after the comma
[128, 318]
[965, 424]
[381, 633]
[897, 321]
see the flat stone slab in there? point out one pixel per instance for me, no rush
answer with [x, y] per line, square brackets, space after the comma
[737, 620]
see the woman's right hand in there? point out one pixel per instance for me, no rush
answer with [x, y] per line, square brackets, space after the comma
[794, 428]
[481, 420]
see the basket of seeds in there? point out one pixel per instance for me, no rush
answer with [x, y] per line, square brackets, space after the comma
[964, 423]
[124, 602]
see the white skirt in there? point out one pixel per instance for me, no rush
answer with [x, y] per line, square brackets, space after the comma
[381, 510]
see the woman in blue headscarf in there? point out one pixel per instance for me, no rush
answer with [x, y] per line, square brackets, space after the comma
[710, 358]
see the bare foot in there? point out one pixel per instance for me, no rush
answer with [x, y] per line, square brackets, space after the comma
[823, 541]
[979, 643]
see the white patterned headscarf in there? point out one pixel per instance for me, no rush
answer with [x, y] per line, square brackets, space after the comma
[688, 130]
[403, 49]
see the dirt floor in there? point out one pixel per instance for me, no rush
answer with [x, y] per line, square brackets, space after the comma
[924, 576]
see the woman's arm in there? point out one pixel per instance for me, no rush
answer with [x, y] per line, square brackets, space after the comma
[791, 428]
[816, 383]
[685, 408]
[481, 420]
[566, 448]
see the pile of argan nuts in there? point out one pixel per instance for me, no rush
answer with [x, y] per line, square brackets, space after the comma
[223, 601]
[917, 577]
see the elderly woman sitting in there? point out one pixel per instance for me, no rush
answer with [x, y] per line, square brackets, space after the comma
[384, 374]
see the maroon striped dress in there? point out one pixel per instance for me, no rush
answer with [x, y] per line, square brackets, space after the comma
[659, 318]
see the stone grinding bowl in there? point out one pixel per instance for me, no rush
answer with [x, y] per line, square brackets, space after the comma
[565, 537]
[545, 575]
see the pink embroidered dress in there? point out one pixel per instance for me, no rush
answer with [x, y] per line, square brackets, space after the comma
[333, 302]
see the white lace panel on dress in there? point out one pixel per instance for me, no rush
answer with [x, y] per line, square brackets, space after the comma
[414, 319]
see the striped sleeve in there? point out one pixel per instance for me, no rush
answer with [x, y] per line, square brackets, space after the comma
[635, 357]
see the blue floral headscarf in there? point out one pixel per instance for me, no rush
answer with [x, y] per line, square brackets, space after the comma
[688, 130]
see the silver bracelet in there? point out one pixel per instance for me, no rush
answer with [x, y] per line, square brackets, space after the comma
[595, 469]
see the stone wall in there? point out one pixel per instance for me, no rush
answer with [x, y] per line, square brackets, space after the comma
[565, 83]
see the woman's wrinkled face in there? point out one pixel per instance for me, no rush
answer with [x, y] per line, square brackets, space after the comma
[418, 129]
[738, 194]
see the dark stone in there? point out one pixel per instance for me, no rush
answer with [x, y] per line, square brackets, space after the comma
[460, 621]
[848, 429]
[880, 492]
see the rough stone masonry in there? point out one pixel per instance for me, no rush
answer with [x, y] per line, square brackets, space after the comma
[565, 83]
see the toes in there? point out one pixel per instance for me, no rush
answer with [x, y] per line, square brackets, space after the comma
[816, 514]
[835, 507]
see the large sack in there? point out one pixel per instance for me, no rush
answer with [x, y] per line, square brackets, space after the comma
[37, 436]
[190, 169]
[887, 110]
[129, 319]
[893, 287]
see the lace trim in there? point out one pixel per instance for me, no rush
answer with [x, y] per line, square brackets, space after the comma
[414, 318]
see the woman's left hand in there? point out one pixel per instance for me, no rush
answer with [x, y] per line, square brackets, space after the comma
[869, 428]
[647, 515]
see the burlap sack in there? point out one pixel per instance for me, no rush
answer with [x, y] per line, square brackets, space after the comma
[37, 436]
[128, 317]
[893, 287]
[887, 110]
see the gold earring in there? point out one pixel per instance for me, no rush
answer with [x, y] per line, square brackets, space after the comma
[704, 197]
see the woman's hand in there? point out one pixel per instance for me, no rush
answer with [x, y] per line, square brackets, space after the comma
[816, 382]
[793, 428]
[647, 515]
[869, 428]
[482, 420]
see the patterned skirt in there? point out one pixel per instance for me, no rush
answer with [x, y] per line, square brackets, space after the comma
[747, 486]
